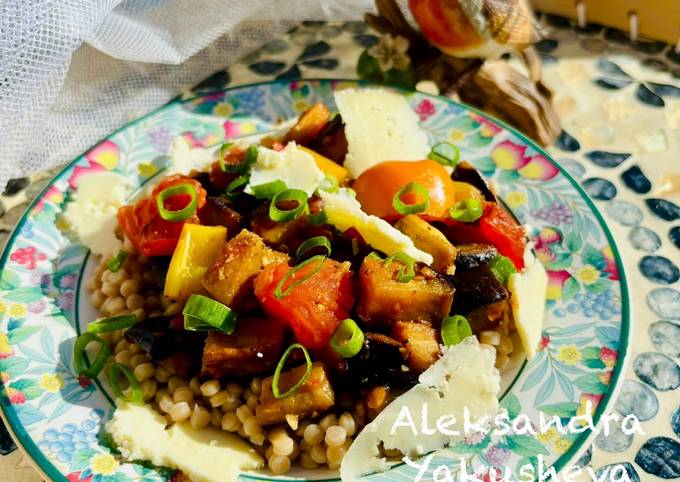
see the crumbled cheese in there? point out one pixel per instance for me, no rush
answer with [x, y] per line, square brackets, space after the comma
[465, 377]
[204, 455]
[379, 126]
[91, 213]
[527, 299]
[344, 212]
[184, 157]
[291, 165]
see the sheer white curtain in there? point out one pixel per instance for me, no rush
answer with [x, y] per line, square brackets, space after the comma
[72, 71]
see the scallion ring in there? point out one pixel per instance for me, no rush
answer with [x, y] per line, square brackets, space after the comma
[445, 153]
[177, 190]
[313, 243]
[269, 189]
[80, 362]
[455, 329]
[502, 267]
[116, 262]
[279, 368]
[281, 215]
[374, 255]
[419, 190]
[115, 371]
[114, 323]
[248, 160]
[231, 191]
[407, 271]
[347, 339]
[224, 151]
[330, 184]
[467, 210]
[279, 292]
[202, 313]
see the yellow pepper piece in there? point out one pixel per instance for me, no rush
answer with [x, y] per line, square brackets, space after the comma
[196, 250]
[327, 166]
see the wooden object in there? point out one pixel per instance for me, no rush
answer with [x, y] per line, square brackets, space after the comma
[497, 89]
[656, 19]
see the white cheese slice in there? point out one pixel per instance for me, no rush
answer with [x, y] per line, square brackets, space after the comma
[184, 157]
[465, 377]
[344, 212]
[527, 290]
[379, 126]
[291, 165]
[91, 213]
[205, 455]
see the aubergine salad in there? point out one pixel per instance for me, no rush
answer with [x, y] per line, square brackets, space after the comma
[264, 303]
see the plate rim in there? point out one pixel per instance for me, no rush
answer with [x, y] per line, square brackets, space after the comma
[47, 469]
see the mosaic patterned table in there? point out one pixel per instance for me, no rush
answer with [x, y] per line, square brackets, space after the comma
[619, 102]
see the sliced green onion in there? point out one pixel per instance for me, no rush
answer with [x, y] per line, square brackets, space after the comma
[180, 214]
[467, 210]
[280, 215]
[312, 243]
[455, 329]
[115, 371]
[224, 151]
[330, 184]
[407, 271]
[279, 292]
[374, 255]
[231, 192]
[445, 153]
[114, 323]
[502, 267]
[202, 313]
[115, 262]
[279, 368]
[80, 363]
[248, 160]
[317, 219]
[347, 339]
[412, 187]
[269, 189]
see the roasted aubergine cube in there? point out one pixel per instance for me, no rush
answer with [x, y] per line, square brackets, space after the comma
[381, 361]
[384, 299]
[480, 297]
[309, 125]
[313, 397]
[218, 211]
[164, 342]
[473, 254]
[466, 172]
[252, 349]
[429, 239]
[331, 141]
[276, 233]
[230, 279]
[421, 342]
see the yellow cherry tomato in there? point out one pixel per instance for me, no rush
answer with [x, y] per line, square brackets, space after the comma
[376, 187]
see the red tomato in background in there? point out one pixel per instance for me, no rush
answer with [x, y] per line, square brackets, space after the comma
[495, 227]
[314, 308]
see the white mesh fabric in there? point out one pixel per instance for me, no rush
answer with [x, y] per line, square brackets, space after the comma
[71, 71]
